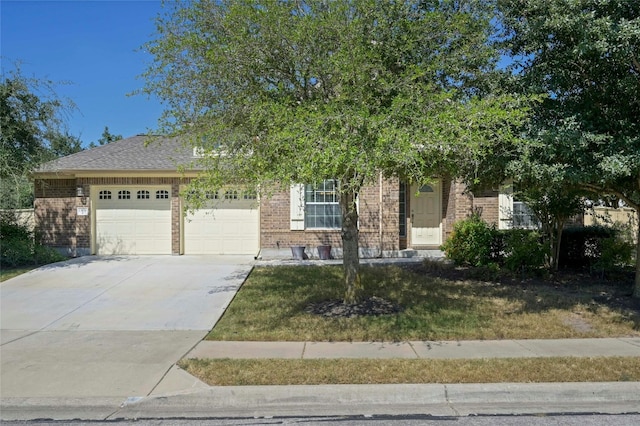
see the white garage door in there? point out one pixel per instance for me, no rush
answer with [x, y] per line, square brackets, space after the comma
[228, 225]
[133, 220]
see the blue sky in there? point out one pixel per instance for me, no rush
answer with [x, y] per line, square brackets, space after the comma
[96, 46]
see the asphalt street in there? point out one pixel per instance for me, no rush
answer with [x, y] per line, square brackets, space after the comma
[409, 420]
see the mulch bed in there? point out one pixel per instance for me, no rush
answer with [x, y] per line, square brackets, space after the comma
[370, 306]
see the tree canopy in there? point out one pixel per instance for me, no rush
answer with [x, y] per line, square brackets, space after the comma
[301, 91]
[584, 54]
[33, 130]
[32, 123]
[105, 138]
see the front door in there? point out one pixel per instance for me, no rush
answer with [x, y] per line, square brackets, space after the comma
[426, 214]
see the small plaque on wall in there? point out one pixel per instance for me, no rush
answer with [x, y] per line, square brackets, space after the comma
[83, 211]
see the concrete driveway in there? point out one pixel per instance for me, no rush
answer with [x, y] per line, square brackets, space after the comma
[109, 326]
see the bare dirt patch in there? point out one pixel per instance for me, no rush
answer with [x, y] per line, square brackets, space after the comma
[578, 323]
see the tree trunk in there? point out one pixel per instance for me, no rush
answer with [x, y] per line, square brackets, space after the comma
[350, 255]
[548, 236]
[636, 287]
[556, 246]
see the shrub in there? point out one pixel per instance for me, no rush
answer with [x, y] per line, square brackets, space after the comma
[581, 246]
[43, 255]
[15, 252]
[616, 251]
[471, 242]
[19, 247]
[523, 250]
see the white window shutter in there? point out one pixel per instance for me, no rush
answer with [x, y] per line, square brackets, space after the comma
[297, 207]
[505, 205]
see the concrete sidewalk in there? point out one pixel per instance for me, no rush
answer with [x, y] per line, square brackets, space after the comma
[180, 395]
[420, 349]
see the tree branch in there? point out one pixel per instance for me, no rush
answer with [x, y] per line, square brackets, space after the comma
[635, 64]
[600, 189]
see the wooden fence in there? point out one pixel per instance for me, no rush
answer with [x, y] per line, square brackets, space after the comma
[608, 216]
[23, 217]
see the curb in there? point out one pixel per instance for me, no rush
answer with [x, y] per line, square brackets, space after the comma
[438, 400]
[371, 400]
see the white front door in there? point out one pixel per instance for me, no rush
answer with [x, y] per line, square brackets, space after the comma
[426, 214]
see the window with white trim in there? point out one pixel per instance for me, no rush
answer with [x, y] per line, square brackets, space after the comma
[162, 194]
[514, 213]
[322, 208]
[104, 195]
[142, 195]
[523, 217]
[124, 195]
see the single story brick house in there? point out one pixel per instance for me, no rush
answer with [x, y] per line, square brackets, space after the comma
[125, 198]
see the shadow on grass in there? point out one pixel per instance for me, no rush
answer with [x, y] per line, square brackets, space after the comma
[436, 305]
[567, 290]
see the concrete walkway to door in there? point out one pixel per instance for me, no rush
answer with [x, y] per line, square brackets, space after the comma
[109, 326]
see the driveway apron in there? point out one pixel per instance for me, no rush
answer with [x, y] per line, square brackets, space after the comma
[109, 326]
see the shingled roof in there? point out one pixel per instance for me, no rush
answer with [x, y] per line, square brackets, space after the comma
[141, 152]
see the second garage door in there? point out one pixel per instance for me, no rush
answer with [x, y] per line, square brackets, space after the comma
[229, 224]
[133, 220]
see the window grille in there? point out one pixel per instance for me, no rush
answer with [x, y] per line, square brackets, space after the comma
[322, 209]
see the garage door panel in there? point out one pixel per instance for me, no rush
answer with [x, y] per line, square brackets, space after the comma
[148, 228]
[133, 226]
[229, 228]
[112, 244]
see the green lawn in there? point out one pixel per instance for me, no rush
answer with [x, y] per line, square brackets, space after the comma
[7, 273]
[436, 305]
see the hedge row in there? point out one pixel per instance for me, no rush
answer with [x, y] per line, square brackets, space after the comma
[474, 242]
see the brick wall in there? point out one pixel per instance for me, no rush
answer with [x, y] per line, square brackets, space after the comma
[379, 215]
[459, 204]
[129, 180]
[60, 226]
[275, 221]
[56, 220]
[485, 202]
[448, 207]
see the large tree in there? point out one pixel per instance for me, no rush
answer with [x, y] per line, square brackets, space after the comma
[585, 54]
[281, 92]
[32, 130]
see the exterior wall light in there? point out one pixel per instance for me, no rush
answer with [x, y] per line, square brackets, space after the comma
[80, 193]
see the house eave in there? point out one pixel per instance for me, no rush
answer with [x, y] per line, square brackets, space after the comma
[71, 174]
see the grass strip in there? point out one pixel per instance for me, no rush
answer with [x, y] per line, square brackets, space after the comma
[8, 273]
[271, 304]
[245, 372]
